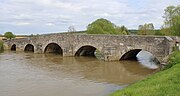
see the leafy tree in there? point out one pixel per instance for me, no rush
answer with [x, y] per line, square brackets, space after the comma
[103, 26]
[146, 29]
[165, 31]
[9, 35]
[122, 30]
[158, 32]
[31, 35]
[172, 20]
[71, 29]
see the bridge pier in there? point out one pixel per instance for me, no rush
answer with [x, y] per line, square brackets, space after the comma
[110, 53]
[68, 50]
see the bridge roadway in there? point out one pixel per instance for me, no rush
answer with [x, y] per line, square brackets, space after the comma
[111, 47]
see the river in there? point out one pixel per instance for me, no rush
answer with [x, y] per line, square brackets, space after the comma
[29, 74]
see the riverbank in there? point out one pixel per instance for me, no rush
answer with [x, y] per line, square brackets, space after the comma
[1, 45]
[163, 83]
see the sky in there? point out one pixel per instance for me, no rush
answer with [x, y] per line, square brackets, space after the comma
[25, 17]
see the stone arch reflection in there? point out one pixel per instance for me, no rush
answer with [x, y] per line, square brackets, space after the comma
[148, 60]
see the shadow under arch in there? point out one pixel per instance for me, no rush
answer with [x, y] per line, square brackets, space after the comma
[29, 48]
[86, 50]
[131, 55]
[53, 48]
[13, 47]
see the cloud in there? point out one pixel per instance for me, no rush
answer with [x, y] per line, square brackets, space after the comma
[50, 24]
[103, 15]
[30, 16]
[22, 23]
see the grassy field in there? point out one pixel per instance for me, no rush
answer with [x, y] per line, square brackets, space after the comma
[163, 83]
[1, 37]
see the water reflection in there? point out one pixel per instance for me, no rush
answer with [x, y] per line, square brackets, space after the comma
[147, 60]
[28, 74]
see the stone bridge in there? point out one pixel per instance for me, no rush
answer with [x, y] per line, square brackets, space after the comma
[111, 47]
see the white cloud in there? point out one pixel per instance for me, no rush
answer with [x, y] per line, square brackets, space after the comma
[38, 14]
[103, 15]
[22, 23]
[50, 24]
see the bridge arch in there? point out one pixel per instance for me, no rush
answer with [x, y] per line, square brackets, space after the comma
[130, 55]
[133, 54]
[53, 48]
[88, 50]
[13, 47]
[29, 48]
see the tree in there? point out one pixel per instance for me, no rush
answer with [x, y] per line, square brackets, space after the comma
[146, 29]
[158, 32]
[71, 29]
[103, 26]
[122, 30]
[31, 35]
[165, 31]
[9, 35]
[150, 26]
[172, 20]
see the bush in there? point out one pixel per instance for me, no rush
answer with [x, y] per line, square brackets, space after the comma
[1, 45]
[173, 60]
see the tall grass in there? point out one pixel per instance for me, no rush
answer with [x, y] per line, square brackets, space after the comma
[173, 60]
[163, 83]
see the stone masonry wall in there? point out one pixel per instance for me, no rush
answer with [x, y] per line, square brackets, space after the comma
[113, 47]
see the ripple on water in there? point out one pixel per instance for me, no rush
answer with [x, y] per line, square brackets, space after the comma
[28, 74]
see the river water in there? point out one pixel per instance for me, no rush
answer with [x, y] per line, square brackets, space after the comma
[29, 74]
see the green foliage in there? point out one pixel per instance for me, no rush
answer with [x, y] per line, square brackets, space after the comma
[172, 20]
[146, 29]
[174, 59]
[165, 31]
[121, 30]
[1, 45]
[158, 32]
[9, 35]
[163, 83]
[103, 26]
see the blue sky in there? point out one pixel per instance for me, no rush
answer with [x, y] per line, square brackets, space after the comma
[46, 16]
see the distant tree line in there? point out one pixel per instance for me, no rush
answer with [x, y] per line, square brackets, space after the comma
[146, 29]
[171, 25]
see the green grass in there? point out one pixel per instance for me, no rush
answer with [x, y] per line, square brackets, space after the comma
[163, 83]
